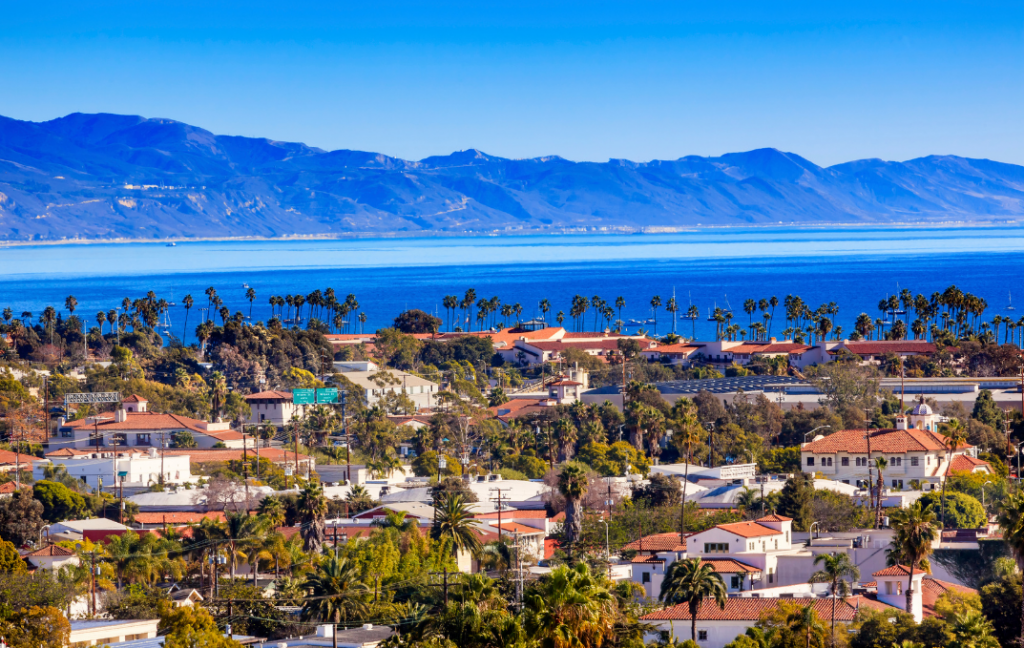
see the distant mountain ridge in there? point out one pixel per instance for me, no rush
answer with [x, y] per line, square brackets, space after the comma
[109, 176]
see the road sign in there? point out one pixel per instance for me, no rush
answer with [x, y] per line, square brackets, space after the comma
[328, 395]
[97, 397]
[303, 396]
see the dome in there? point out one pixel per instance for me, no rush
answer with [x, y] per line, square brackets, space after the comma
[922, 409]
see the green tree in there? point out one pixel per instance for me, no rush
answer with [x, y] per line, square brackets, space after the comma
[10, 559]
[191, 626]
[954, 436]
[312, 512]
[571, 607]
[59, 502]
[915, 532]
[1011, 520]
[838, 571]
[572, 485]
[338, 595]
[455, 524]
[688, 581]
[961, 510]
[795, 500]
[1001, 601]
[35, 627]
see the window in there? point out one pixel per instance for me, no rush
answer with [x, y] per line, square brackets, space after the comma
[914, 462]
[845, 461]
[927, 460]
[702, 635]
[142, 439]
[897, 461]
[897, 484]
[771, 575]
[810, 461]
[846, 481]
[776, 544]
[646, 577]
[67, 434]
[735, 582]
[716, 547]
[826, 461]
[888, 587]
[751, 546]
[861, 461]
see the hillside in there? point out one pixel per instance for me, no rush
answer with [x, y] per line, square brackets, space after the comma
[113, 176]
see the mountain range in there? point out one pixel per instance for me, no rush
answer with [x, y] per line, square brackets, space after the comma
[107, 176]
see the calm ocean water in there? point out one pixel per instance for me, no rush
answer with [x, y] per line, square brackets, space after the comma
[852, 267]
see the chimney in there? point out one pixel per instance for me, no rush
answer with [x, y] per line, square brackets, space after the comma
[772, 340]
[120, 416]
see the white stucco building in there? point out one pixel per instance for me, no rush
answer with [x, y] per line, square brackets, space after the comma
[914, 450]
[132, 468]
[133, 426]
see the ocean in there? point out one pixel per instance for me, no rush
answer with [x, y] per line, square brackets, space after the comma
[853, 267]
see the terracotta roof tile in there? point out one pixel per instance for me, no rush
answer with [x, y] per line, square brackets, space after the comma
[881, 347]
[234, 454]
[52, 551]
[748, 529]
[774, 517]
[657, 542]
[134, 398]
[889, 441]
[270, 394]
[681, 348]
[896, 570]
[7, 457]
[749, 609]
[933, 588]
[142, 421]
[730, 566]
[637, 560]
[966, 463]
[177, 517]
[8, 488]
[514, 527]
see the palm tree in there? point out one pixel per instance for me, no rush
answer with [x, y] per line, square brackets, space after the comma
[242, 531]
[880, 464]
[250, 294]
[954, 435]
[572, 608]
[312, 510]
[101, 319]
[806, 621]
[837, 571]
[1011, 521]
[655, 303]
[688, 581]
[336, 593]
[972, 629]
[684, 415]
[272, 509]
[572, 484]
[915, 532]
[454, 523]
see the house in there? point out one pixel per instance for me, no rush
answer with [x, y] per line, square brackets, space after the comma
[365, 636]
[284, 457]
[161, 519]
[420, 391]
[681, 354]
[77, 528]
[272, 407]
[99, 633]
[532, 352]
[8, 489]
[52, 557]
[131, 468]
[9, 461]
[133, 426]
[915, 452]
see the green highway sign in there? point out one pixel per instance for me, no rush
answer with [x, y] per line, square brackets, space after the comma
[328, 395]
[303, 396]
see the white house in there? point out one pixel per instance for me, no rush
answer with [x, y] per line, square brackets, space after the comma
[52, 557]
[100, 633]
[914, 450]
[420, 391]
[271, 407]
[131, 468]
[133, 426]
[891, 587]
[757, 544]
[77, 528]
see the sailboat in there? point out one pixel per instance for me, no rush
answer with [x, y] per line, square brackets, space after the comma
[687, 316]
[1009, 305]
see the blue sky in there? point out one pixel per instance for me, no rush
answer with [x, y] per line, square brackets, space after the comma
[584, 80]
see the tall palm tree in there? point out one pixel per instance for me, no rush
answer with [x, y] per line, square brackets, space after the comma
[688, 581]
[272, 509]
[655, 303]
[972, 629]
[837, 571]
[572, 484]
[572, 608]
[684, 417]
[101, 319]
[454, 523]
[250, 294]
[242, 531]
[1010, 518]
[336, 593]
[954, 435]
[312, 509]
[881, 464]
[915, 532]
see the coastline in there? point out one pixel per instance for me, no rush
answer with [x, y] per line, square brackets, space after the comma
[622, 231]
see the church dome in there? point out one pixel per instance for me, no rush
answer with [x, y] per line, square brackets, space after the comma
[922, 409]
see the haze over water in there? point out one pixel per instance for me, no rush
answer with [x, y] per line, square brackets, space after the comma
[853, 267]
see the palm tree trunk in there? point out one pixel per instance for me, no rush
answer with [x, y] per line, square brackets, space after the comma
[693, 621]
[834, 614]
[682, 504]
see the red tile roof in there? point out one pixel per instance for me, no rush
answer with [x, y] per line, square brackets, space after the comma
[966, 463]
[748, 529]
[896, 570]
[514, 527]
[73, 452]
[270, 395]
[517, 407]
[774, 517]
[177, 517]
[142, 421]
[730, 566]
[8, 488]
[637, 560]
[12, 458]
[749, 609]
[889, 441]
[933, 588]
[682, 348]
[514, 515]
[134, 398]
[881, 347]
[564, 383]
[275, 455]
[52, 551]
[657, 542]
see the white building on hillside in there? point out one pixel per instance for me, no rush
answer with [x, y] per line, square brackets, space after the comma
[914, 450]
[131, 468]
[133, 426]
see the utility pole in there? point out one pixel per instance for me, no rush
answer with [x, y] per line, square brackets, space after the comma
[245, 467]
[498, 499]
[92, 585]
[348, 441]
[711, 444]
[295, 439]
[445, 574]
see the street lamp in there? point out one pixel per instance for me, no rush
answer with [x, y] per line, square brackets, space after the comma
[820, 427]
[810, 531]
[607, 547]
[1016, 451]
